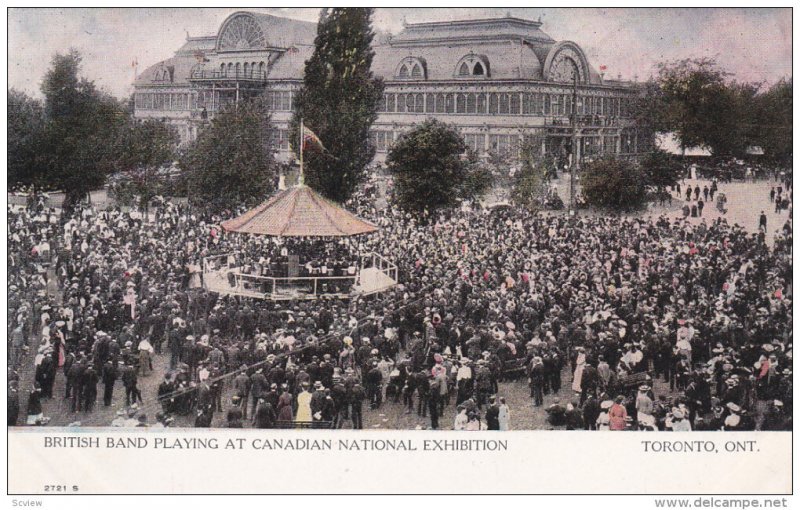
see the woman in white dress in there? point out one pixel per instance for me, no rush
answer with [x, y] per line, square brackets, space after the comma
[504, 417]
[578, 375]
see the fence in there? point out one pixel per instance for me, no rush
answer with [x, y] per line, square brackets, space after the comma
[220, 275]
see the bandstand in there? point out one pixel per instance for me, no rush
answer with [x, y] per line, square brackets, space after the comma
[300, 213]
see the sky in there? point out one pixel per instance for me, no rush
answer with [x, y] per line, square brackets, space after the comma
[754, 44]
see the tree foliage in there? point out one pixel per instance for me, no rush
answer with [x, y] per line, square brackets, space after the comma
[773, 122]
[147, 147]
[697, 100]
[531, 182]
[614, 184]
[25, 127]
[661, 169]
[339, 102]
[431, 170]
[232, 163]
[79, 142]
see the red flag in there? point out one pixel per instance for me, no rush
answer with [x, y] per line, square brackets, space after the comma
[310, 136]
[603, 68]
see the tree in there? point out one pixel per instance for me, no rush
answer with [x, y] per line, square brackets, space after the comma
[146, 147]
[773, 122]
[25, 127]
[232, 162]
[431, 170]
[79, 142]
[530, 188]
[697, 102]
[614, 184]
[661, 169]
[339, 102]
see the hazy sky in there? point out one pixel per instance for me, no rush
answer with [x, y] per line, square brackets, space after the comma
[755, 44]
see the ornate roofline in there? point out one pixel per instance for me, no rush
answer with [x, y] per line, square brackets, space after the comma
[480, 21]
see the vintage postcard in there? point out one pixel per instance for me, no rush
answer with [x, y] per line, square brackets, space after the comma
[394, 246]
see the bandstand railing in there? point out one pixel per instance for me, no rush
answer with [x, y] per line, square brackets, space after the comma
[224, 277]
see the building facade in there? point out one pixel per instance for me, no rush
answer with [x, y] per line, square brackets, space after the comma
[502, 81]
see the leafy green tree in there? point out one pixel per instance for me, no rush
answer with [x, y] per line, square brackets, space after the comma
[531, 182]
[339, 102]
[614, 184]
[431, 170]
[773, 122]
[661, 169]
[232, 162]
[147, 147]
[699, 103]
[25, 127]
[79, 143]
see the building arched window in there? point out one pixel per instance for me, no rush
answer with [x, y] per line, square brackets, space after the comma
[503, 106]
[439, 103]
[410, 103]
[411, 68]
[246, 68]
[230, 68]
[472, 65]
[515, 104]
[471, 103]
[261, 69]
[481, 107]
[492, 104]
[419, 105]
[461, 103]
[222, 69]
[238, 69]
[430, 103]
[449, 105]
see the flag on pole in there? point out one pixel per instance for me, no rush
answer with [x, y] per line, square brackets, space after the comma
[603, 67]
[311, 137]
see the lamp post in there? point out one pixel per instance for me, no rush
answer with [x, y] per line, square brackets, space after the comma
[573, 168]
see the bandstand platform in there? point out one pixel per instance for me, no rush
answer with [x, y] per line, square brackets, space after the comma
[299, 212]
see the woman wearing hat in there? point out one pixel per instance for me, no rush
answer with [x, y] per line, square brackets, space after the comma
[603, 420]
[617, 415]
[734, 419]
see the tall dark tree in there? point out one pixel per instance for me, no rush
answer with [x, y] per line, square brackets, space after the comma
[430, 168]
[232, 161]
[79, 144]
[614, 184]
[661, 169]
[146, 147]
[339, 102]
[772, 122]
[700, 104]
[25, 127]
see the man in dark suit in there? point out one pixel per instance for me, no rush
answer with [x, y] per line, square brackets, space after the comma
[109, 375]
[493, 415]
[589, 381]
[536, 375]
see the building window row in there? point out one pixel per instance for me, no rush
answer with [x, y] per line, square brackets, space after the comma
[243, 69]
[383, 140]
[515, 103]
[280, 101]
[162, 101]
[280, 140]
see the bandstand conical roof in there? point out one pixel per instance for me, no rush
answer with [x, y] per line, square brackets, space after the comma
[299, 211]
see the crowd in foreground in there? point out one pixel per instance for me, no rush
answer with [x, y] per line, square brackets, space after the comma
[656, 324]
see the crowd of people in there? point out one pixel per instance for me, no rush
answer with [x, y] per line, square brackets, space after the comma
[655, 324]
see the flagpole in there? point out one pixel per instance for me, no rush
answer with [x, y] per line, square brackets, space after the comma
[300, 179]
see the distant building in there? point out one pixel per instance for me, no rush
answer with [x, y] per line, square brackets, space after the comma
[502, 81]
